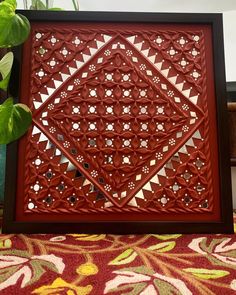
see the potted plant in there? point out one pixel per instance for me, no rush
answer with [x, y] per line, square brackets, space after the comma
[14, 118]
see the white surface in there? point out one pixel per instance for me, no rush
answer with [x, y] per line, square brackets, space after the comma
[159, 5]
[229, 20]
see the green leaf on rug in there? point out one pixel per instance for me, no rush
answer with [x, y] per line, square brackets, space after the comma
[164, 287]
[5, 244]
[125, 257]
[14, 120]
[20, 253]
[167, 237]
[162, 247]
[142, 269]
[207, 274]
[127, 289]
[6, 273]
[39, 267]
[5, 70]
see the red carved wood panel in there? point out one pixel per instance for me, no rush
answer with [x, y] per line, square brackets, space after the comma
[124, 123]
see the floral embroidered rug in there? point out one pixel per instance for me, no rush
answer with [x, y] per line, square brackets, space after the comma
[79, 264]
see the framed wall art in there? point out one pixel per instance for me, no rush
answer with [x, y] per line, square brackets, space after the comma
[129, 131]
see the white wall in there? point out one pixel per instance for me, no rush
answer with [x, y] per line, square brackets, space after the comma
[147, 5]
[229, 19]
[155, 5]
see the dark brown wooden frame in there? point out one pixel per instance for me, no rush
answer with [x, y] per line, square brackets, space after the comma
[10, 225]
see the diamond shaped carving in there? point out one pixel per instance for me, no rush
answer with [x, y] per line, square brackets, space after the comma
[124, 112]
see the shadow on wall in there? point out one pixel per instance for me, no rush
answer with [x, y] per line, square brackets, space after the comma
[2, 170]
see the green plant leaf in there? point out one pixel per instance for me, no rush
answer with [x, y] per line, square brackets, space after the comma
[76, 5]
[6, 64]
[38, 5]
[55, 9]
[5, 69]
[167, 237]
[14, 120]
[14, 28]
[207, 274]
[8, 7]
[163, 247]
[125, 257]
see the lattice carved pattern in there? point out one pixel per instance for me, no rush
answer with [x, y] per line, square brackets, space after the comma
[120, 123]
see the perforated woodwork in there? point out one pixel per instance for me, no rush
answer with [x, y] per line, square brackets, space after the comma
[121, 119]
